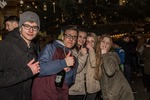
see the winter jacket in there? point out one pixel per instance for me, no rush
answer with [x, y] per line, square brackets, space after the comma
[85, 73]
[52, 61]
[114, 85]
[92, 85]
[121, 54]
[79, 87]
[15, 75]
[128, 49]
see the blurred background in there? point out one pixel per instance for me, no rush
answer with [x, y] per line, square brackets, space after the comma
[116, 17]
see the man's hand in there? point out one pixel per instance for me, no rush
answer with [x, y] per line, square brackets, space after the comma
[69, 59]
[34, 66]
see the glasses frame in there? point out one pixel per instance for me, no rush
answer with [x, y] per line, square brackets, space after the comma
[28, 27]
[71, 37]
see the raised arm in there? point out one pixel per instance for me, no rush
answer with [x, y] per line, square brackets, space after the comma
[110, 63]
[47, 65]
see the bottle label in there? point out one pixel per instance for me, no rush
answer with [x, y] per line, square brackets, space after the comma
[58, 78]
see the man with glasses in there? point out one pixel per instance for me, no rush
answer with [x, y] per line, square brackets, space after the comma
[56, 57]
[18, 63]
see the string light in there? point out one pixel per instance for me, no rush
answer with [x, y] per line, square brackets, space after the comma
[54, 9]
[44, 7]
[79, 1]
[122, 2]
[21, 2]
[104, 12]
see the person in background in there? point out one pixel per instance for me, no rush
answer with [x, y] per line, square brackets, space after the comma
[54, 58]
[11, 23]
[140, 43]
[146, 68]
[114, 85]
[77, 90]
[121, 55]
[133, 41]
[127, 46]
[139, 49]
[18, 63]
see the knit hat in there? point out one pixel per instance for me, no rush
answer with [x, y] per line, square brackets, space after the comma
[29, 16]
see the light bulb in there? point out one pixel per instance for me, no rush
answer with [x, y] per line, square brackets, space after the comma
[21, 2]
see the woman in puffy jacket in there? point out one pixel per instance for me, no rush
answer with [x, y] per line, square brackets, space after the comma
[114, 85]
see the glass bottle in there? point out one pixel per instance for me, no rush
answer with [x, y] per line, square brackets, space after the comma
[60, 78]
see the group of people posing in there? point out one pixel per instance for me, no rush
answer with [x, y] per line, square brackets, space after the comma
[89, 63]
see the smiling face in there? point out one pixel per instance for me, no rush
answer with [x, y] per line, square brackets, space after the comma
[28, 32]
[70, 38]
[105, 44]
[81, 38]
[90, 41]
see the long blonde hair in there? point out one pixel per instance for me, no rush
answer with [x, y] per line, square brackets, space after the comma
[98, 69]
[91, 34]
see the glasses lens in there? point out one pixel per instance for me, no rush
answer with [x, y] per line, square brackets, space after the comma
[70, 37]
[35, 28]
[28, 27]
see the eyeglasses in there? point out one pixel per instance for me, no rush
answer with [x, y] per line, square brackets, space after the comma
[28, 27]
[70, 36]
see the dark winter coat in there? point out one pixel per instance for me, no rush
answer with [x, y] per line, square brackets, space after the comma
[129, 50]
[15, 75]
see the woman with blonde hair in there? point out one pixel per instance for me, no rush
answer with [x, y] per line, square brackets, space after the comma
[86, 86]
[92, 85]
[114, 85]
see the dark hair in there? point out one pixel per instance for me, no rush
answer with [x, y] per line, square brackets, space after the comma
[70, 27]
[12, 18]
[125, 36]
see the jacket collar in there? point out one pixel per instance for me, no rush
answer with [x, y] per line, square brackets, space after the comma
[14, 37]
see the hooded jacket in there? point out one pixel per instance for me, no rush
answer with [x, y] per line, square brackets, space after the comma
[15, 75]
[52, 61]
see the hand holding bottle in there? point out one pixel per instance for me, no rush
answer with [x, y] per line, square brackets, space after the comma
[34, 66]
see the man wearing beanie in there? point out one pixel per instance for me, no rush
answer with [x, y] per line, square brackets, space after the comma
[18, 63]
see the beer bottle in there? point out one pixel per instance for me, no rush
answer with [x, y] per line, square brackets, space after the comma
[60, 78]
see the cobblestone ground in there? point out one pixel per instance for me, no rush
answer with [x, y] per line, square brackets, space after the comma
[138, 88]
[139, 92]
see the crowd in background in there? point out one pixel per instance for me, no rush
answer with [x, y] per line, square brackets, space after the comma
[95, 67]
